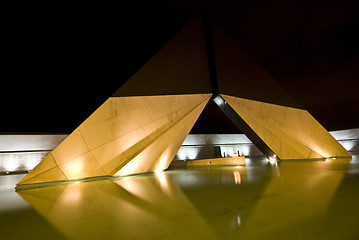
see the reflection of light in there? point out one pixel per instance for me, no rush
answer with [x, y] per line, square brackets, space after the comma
[11, 165]
[161, 176]
[237, 166]
[273, 162]
[187, 153]
[238, 220]
[237, 177]
[77, 182]
[330, 158]
[192, 154]
[276, 167]
[20, 161]
[348, 145]
[163, 181]
[181, 154]
[245, 150]
[31, 161]
[132, 186]
[72, 194]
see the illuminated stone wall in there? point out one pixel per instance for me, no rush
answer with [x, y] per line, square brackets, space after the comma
[124, 136]
[291, 133]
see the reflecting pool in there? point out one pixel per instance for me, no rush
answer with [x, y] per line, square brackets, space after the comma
[262, 200]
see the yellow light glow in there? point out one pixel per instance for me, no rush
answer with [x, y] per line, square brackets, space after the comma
[162, 178]
[272, 159]
[162, 164]
[75, 169]
[319, 150]
[130, 135]
[134, 185]
[129, 168]
[72, 195]
[237, 177]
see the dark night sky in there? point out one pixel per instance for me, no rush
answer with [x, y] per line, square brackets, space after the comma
[60, 62]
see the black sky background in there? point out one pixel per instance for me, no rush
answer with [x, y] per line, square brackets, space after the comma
[61, 62]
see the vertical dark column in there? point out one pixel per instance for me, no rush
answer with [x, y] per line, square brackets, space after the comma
[221, 103]
[210, 54]
[217, 151]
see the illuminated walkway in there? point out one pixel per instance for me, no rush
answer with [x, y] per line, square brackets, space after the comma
[289, 200]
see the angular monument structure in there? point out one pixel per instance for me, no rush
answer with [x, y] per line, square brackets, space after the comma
[259, 106]
[143, 124]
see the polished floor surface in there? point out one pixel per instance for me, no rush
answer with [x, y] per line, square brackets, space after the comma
[262, 200]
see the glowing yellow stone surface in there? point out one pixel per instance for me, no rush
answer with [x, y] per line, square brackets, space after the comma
[290, 133]
[125, 135]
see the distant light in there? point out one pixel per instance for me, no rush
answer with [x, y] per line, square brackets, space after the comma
[11, 164]
[273, 158]
[7, 172]
[181, 154]
[77, 182]
[237, 166]
[192, 154]
[219, 101]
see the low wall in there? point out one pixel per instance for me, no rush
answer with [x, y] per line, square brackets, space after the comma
[212, 161]
[21, 152]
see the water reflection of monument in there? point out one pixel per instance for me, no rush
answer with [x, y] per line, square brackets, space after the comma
[145, 207]
[196, 203]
